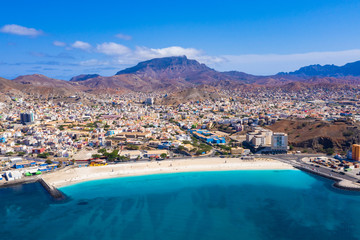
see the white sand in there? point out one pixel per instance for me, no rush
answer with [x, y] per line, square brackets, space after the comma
[74, 175]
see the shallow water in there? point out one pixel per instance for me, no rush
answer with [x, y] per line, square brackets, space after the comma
[281, 204]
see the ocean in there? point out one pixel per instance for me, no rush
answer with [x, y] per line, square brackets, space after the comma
[249, 204]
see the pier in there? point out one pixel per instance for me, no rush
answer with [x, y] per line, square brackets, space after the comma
[53, 191]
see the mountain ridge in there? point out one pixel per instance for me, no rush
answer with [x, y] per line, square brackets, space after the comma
[174, 74]
[328, 70]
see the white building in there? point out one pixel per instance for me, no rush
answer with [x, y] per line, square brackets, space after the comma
[279, 142]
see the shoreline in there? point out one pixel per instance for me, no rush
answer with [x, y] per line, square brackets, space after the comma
[70, 176]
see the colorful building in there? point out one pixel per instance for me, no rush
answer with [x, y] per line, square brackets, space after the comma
[356, 152]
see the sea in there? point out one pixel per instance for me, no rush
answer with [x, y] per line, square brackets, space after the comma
[247, 204]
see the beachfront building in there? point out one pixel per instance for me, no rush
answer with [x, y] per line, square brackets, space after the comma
[155, 153]
[279, 142]
[131, 154]
[260, 137]
[356, 152]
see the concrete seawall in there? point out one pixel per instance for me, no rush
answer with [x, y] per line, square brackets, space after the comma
[54, 192]
[338, 183]
[318, 173]
[19, 182]
[347, 185]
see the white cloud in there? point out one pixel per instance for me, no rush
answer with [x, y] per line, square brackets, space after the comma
[20, 30]
[93, 62]
[59, 44]
[147, 53]
[123, 36]
[111, 48]
[81, 45]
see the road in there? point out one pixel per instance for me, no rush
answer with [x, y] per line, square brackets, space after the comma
[296, 161]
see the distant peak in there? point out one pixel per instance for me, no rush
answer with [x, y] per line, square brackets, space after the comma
[83, 77]
[329, 70]
[158, 64]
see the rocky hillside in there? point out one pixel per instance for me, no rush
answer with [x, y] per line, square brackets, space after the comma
[44, 85]
[319, 136]
[349, 69]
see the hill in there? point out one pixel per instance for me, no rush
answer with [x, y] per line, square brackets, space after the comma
[349, 69]
[83, 77]
[44, 85]
[8, 86]
[319, 136]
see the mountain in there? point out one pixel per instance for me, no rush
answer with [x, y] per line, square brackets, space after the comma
[179, 74]
[171, 66]
[160, 74]
[241, 76]
[44, 85]
[349, 69]
[183, 71]
[83, 77]
[8, 86]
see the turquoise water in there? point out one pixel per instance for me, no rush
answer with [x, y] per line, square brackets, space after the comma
[284, 204]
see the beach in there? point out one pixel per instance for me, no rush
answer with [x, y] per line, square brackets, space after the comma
[73, 175]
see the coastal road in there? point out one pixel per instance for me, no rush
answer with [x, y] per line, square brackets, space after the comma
[296, 161]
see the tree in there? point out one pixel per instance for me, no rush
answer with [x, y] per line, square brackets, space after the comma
[48, 161]
[163, 155]
[43, 155]
[111, 157]
[124, 158]
[102, 151]
[181, 148]
[21, 153]
[60, 164]
[199, 152]
[330, 151]
[132, 147]
[96, 156]
[9, 153]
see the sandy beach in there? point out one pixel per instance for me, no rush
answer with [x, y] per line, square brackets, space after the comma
[68, 176]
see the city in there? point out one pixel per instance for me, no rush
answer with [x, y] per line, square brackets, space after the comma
[181, 120]
[39, 136]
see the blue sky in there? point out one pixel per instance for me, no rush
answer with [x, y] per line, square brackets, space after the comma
[64, 38]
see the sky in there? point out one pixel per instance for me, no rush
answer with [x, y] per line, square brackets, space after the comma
[62, 39]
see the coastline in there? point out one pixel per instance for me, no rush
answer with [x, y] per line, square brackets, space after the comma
[70, 176]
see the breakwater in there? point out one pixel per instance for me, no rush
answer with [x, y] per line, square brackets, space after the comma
[347, 185]
[53, 191]
[338, 182]
[318, 173]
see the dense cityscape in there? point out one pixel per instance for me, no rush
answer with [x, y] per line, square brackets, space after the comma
[41, 135]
